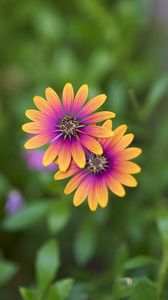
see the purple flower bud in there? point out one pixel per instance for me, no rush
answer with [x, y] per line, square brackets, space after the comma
[34, 159]
[14, 202]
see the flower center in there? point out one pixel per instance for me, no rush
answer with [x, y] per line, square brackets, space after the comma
[69, 126]
[97, 163]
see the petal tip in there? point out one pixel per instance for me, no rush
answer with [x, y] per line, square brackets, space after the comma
[26, 146]
[56, 176]
[66, 191]
[92, 209]
[23, 127]
[63, 168]
[75, 203]
[68, 84]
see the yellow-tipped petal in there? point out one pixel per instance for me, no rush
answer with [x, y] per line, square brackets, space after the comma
[99, 131]
[43, 105]
[73, 169]
[92, 105]
[126, 179]
[74, 182]
[91, 144]
[53, 99]
[118, 133]
[34, 127]
[115, 187]
[102, 194]
[34, 115]
[124, 142]
[64, 157]
[130, 153]
[92, 200]
[80, 98]
[98, 117]
[128, 167]
[68, 97]
[37, 141]
[78, 154]
[108, 124]
[51, 153]
[81, 193]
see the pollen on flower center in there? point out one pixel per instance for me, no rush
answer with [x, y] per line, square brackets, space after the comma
[69, 126]
[97, 163]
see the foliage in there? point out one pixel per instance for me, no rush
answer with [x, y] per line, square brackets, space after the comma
[47, 264]
[117, 48]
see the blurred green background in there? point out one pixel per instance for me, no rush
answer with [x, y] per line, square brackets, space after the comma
[119, 48]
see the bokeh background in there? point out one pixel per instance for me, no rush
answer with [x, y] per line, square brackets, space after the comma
[119, 48]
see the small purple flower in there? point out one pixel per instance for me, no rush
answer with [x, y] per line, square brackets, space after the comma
[34, 159]
[15, 201]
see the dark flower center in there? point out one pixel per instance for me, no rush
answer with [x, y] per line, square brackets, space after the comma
[97, 163]
[69, 126]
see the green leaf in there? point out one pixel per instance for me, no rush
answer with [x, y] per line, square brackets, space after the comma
[144, 289]
[85, 243]
[4, 184]
[25, 217]
[58, 216]
[119, 262]
[47, 264]
[64, 286]
[61, 289]
[162, 223]
[28, 294]
[139, 261]
[121, 291]
[156, 94]
[7, 270]
[53, 293]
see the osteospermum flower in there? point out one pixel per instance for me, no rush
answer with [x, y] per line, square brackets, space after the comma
[110, 170]
[65, 125]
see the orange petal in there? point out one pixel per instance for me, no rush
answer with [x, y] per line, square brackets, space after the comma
[80, 98]
[68, 97]
[64, 157]
[74, 182]
[82, 192]
[108, 124]
[51, 153]
[73, 169]
[54, 100]
[92, 105]
[37, 141]
[129, 153]
[91, 144]
[128, 167]
[98, 117]
[35, 115]
[78, 154]
[34, 127]
[115, 187]
[118, 133]
[43, 105]
[92, 200]
[102, 194]
[98, 131]
[126, 179]
[124, 142]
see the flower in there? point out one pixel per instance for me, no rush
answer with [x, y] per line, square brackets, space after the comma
[34, 159]
[14, 202]
[110, 170]
[65, 125]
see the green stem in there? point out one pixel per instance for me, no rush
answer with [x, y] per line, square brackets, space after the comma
[162, 273]
[133, 99]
